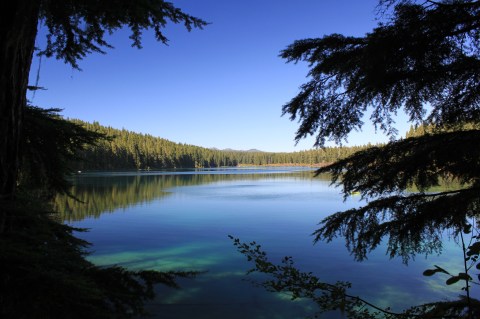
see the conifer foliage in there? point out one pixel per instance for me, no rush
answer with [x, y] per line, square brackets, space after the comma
[42, 264]
[427, 54]
[73, 29]
[423, 60]
[43, 270]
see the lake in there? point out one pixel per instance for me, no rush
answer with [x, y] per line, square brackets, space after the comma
[180, 220]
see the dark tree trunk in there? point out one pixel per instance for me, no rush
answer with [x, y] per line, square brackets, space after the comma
[18, 29]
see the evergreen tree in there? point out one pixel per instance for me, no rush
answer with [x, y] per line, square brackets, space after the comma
[44, 273]
[425, 60]
[74, 29]
[427, 54]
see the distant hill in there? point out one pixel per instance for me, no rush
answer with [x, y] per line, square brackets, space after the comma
[250, 150]
[125, 149]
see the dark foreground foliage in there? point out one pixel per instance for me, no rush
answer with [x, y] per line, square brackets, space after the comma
[423, 59]
[335, 296]
[43, 269]
[412, 222]
[45, 274]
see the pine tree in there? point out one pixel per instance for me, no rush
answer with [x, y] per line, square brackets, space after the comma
[424, 60]
[44, 273]
[428, 54]
[74, 29]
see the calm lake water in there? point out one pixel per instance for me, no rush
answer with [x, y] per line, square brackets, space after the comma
[181, 220]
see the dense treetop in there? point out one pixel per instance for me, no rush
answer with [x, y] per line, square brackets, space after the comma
[427, 54]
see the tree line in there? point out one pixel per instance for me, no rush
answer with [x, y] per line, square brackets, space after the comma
[124, 149]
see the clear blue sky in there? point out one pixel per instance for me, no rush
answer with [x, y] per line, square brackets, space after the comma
[222, 87]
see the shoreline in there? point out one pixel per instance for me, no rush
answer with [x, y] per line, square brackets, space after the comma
[319, 165]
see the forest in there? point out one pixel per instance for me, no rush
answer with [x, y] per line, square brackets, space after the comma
[422, 59]
[123, 149]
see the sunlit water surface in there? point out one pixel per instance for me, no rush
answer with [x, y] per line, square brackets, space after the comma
[181, 220]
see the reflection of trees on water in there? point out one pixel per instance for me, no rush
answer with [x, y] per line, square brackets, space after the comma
[96, 195]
